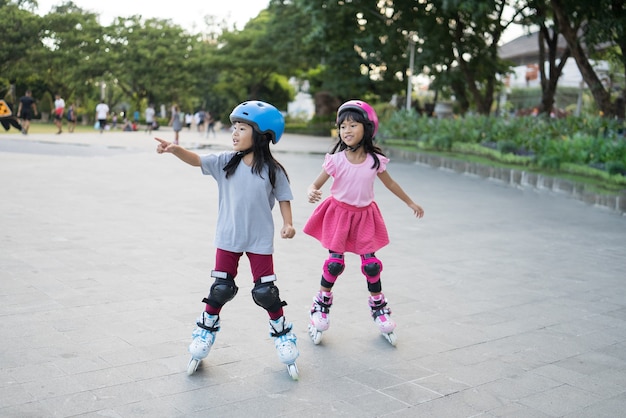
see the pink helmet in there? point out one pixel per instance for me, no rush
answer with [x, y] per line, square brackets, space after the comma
[363, 107]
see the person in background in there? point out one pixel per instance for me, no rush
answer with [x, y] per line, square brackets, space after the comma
[102, 113]
[7, 118]
[26, 110]
[71, 118]
[176, 123]
[59, 110]
[211, 125]
[149, 114]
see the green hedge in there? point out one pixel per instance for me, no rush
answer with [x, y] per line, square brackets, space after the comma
[592, 146]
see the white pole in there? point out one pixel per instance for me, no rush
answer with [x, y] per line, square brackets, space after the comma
[409, 87]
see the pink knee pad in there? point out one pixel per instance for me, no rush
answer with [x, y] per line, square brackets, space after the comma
[371, 267]
[333, 267]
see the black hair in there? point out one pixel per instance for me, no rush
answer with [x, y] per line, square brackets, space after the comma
[262, 157]
[368, 135]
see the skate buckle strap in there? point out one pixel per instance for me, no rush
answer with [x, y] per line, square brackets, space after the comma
[320, 306]
[220, 274]
[277, 334]
[336, 255]
[380, 311]
[268, 279]
[214, 328]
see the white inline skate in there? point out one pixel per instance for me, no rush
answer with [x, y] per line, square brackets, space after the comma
[319, 315]
[380, 314]
[285, 342]
[203, 339]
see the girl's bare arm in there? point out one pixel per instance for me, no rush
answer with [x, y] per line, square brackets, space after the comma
[287, 231]
[397, 190]
[314, 191]
[183, 154]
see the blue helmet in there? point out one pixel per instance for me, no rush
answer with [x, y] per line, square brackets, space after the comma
[263, 117]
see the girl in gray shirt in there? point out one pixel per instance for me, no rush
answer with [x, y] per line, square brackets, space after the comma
[250, 180]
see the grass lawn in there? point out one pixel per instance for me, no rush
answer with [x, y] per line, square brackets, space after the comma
[38, 127]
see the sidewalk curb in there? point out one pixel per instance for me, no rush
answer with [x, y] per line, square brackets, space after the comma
[517, 178]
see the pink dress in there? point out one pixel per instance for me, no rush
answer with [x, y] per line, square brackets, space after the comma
[349, 220]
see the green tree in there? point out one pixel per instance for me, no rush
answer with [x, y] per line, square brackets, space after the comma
[151, 60]
[19, 40]
[540, 14]
[251, 64]
[598, 22]
[458, 44]
[337, 39]
[74, 59]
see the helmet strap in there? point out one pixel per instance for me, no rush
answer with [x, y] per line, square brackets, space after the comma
[236, 159]
[241, 154]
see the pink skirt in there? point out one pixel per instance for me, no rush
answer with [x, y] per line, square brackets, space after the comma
[345, 228]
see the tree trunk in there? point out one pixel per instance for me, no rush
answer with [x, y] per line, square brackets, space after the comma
[570, 33]
[549, 82]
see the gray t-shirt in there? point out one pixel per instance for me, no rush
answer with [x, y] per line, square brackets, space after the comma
[244, 219]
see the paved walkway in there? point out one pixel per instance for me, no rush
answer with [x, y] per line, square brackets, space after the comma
[511, 302]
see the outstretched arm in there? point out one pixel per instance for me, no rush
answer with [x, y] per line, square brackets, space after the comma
[397, 190]
[314, 191]
[287, 231]
[183, 154]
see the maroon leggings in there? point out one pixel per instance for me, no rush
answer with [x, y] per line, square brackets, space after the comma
[260, 264]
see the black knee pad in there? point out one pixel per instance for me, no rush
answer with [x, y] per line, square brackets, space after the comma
[371, 267]
[222, 290]
[266, 295]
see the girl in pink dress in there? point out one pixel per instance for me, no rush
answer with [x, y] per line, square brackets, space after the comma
[349, 219]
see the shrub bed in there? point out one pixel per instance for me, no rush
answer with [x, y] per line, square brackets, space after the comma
[592, 147]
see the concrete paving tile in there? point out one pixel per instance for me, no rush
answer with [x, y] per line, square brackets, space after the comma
[376, 404]
[219, 395]
[591, 362]
[484, 372]
[26, 410]
[123, 394]
[441, 384]
[452, 406]
[518, 387]
[410, 393]
[561, 400]
[34, 372]
[101, 378]
[600, 386]
[609, 408]
[615, 378]
[144, 408]
[271, 405]
[180, 382]
[516, 410]
[45, 388]
[73, 404]
[14, 394]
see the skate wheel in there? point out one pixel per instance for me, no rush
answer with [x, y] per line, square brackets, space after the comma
[316, 336]
[391, 337]
[293, 371]
[192, 366]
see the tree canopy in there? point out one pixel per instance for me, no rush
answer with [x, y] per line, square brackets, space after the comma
[343, 48]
